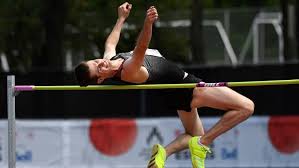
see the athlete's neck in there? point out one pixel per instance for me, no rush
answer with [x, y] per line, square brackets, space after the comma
[116, 66]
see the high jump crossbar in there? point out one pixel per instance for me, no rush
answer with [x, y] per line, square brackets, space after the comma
[156, 86]
[12, 89]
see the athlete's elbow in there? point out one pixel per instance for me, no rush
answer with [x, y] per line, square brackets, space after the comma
[141, 47]
[110, 45]
[139, 51]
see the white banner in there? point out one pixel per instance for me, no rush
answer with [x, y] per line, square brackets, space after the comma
[3, 143]
[116, 143]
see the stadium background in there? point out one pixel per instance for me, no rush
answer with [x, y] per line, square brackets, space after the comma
[42, 41]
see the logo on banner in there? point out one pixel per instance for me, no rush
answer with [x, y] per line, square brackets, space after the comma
[23, 154]
[211, 156]
[113, 137]
[229, 145]
[154, 134]
[229, 153]
[154, 137]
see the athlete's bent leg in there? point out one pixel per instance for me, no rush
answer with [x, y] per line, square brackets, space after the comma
[238, 108]
[193, 127]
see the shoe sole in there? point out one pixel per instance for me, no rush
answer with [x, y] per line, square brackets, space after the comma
[152, 163]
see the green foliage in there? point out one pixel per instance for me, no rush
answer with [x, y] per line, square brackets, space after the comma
[93, 18]
[239, 3]
[22, 32]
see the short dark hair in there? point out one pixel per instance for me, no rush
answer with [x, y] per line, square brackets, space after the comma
[82, 75]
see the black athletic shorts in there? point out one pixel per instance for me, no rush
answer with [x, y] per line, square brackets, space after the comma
[180, 99]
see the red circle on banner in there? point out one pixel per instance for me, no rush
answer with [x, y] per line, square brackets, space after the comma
[283, 133]
[113, 137]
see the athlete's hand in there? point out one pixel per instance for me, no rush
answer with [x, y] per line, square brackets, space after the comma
[151, 15]
[124, 10]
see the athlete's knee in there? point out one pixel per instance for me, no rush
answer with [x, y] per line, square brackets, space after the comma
[194, 104]
[247, 108]
[197, 100]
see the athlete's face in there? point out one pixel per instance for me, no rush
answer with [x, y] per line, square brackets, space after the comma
[99, 69]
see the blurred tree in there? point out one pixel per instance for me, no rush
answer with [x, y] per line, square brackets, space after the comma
[289, 11]
[20, 32]
[297, 29]
[37, 34]
[239, 3]
[53, 18]
[196, 32]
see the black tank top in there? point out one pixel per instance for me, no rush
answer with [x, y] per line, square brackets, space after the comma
[160, 70]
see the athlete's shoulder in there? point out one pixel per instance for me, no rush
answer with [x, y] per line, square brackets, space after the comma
[123, 55]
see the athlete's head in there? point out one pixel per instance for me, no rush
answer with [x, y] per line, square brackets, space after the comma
[93, 71]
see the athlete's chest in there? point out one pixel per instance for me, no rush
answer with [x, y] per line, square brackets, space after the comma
[138, 77]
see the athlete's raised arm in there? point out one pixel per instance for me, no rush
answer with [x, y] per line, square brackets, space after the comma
[134, 64]
[113, 38]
